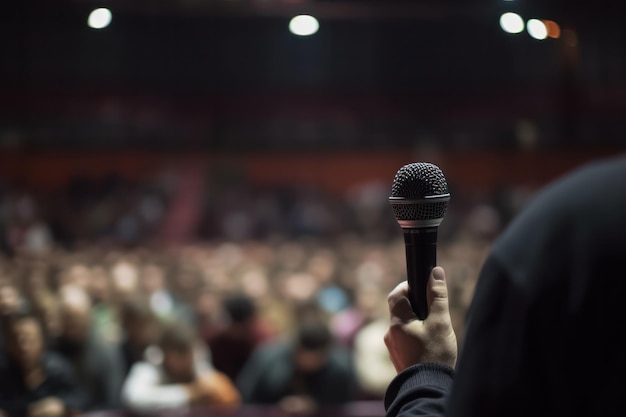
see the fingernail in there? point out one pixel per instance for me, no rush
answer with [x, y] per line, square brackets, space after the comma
[438, 274]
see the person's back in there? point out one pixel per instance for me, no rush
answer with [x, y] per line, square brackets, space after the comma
[544, 328]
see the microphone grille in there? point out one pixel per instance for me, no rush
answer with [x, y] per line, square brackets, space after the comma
[418, 181]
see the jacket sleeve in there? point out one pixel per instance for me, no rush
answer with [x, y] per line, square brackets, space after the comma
[420, 390]
[490, 363]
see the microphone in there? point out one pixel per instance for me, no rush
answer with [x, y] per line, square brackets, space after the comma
[419, 200]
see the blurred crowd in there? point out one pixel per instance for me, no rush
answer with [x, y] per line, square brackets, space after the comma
[280, 299]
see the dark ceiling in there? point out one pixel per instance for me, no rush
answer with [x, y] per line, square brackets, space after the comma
[435, 59]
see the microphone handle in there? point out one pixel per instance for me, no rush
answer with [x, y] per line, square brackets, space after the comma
[421, 257]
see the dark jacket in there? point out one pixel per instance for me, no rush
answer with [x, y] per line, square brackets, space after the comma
[15, 397]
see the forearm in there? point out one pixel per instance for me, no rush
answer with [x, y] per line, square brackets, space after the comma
[420, 390]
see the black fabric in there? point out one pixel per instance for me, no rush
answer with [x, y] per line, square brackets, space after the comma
[545, 328]
[15, 397]
[423, 381]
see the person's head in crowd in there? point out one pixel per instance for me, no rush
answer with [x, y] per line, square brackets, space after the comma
[323, 265]
[177, 343]
[36, 279]
[99, 286]
[77, 274]
[187, 282]
[240, 309]
[75, 314]
[11, 301]
[207, 304]
[255, 283]
[24, 340]
[370, 301]
[312, 345]
[140, 324]
[298, 286]
[47, 308]
[124, 280]
[152, 278]
[307, 310]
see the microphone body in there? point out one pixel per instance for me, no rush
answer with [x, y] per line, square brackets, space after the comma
[419, 199]
[421, 257]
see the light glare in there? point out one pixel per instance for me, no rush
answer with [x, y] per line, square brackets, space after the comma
[303, 25]
[553, 28]
[537, 29]
[99, 18]
[511, 22]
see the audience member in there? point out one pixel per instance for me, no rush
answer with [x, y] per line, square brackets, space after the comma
[140, 330]
[232, 346]
[34, 382]
[96, 363]
[372, 366]
[300, 375]
[47, 308]
[161, 300]
[105, 320]
[178, 376]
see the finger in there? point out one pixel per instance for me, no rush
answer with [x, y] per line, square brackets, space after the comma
[437, 294]
[390, 349]
[399, 304]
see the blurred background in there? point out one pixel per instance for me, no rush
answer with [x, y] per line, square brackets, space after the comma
[246, 148]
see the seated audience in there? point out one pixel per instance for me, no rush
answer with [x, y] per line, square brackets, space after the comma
[232, 345]
[176, 374]
[47, 308]
[140, 330]
[34, 382]
[96, 363]
[154, 286]
[302, 375]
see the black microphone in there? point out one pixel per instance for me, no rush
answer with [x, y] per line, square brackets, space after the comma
[419, 199]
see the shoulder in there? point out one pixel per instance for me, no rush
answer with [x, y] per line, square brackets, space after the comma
[567, 215]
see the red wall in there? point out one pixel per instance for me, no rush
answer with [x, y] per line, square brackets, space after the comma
[333, 171]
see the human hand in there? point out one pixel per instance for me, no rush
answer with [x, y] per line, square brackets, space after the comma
[47, 407]
[411, 341]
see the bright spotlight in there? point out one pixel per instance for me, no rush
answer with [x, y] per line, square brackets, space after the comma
[511, 22]
[537, 29]
[303, 25]
[553, 28]
[99, 18]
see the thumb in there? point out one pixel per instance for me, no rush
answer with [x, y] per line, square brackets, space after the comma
[437, 293]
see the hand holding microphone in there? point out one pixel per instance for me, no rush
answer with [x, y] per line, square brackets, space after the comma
[421, 328]
[419, 199]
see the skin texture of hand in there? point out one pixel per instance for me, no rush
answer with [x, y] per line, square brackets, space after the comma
[411, 341]
[48, 407]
